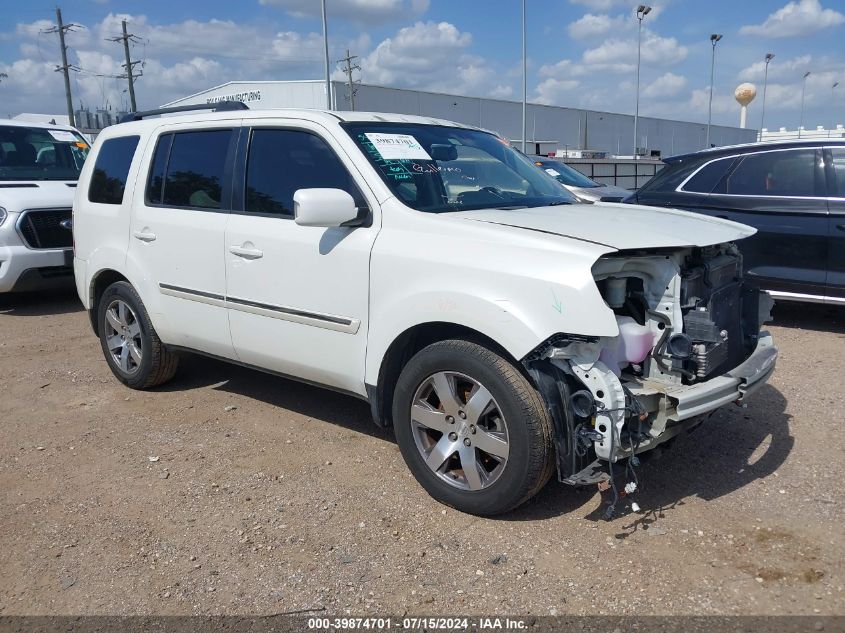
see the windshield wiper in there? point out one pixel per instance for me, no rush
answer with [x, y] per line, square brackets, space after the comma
[558, 202]
[511, 208]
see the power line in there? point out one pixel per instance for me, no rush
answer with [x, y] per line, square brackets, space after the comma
[65, 68]
[129, 65]
[351, 90]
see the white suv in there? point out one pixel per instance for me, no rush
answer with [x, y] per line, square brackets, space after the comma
[39, 166]
[504, 332]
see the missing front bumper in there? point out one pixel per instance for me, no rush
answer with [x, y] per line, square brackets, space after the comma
[668, 409]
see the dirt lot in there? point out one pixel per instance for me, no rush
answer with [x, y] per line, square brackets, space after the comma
[230, 491]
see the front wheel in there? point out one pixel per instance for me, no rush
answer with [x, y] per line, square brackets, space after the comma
[471, 428]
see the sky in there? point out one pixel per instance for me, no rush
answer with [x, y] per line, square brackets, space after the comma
[581, 53]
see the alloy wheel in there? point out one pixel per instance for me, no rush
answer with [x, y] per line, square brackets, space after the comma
[459, 430]
[123, 336]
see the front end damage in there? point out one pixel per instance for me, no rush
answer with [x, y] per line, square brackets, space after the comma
[689, 342]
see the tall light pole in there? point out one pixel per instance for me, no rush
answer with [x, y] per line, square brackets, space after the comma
[803, 91]
[524, 81]
[769, 57]
[326, 51]
[642, 11]
[715, 37]
[832, 88]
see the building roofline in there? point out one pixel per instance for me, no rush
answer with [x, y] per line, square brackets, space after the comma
[448, 94]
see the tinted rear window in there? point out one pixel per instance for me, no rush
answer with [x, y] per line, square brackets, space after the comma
[108, 182]
[706, 178]
[784, 173]
[193, 176]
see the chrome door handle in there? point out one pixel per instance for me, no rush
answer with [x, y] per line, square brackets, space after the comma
[246, 253]
[841, 227]
[144, 236]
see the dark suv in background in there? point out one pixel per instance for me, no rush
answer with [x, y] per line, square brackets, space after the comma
[793, 193]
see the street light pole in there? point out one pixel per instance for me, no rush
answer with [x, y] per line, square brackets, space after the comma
[715, 37]
[326, 51]
[524, 81]
[642, 11]
[803, 91]
[832, 88]
[769, 57]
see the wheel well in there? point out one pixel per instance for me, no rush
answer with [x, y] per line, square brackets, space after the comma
[403, 349]
[103, 280]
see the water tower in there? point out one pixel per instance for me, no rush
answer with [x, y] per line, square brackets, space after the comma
[744, 94]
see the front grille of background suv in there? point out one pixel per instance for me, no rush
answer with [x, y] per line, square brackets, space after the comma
[41, 228]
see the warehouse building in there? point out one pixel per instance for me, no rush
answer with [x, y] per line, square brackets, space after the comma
[550, 128]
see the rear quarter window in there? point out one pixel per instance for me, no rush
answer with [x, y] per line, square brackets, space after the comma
[111, 169]
[706, 179]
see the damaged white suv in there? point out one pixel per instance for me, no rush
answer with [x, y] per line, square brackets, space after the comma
[503, 331]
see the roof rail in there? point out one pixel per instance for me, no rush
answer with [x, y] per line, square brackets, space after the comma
[220, 106]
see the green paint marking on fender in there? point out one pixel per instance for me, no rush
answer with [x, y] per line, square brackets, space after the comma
[557, 305]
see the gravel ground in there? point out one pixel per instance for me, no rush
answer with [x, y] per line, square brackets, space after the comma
[232, 492]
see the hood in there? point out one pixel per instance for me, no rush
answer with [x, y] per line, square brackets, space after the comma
[16, 196]
[619, 226]
[594, 194]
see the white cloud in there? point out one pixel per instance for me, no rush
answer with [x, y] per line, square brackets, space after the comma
[367, 11]
[667, 85]
[796, 19]
[431, 56]
[590, 25]
[553, 91]
[778, 68]
[615, 55]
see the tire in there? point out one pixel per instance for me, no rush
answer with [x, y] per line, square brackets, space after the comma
[133, 350]
[504, 477]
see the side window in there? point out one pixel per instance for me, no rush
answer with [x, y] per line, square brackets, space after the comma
[282, 161]
[786, 173]
[193, 176]
[706, 178]
[155, 183]
[838, 172]
[108, 181]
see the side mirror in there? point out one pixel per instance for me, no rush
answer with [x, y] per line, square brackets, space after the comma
[324, 207]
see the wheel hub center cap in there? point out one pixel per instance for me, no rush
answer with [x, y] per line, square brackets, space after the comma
[463, 429]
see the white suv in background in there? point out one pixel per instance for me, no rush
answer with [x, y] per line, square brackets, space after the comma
[427, 267]
[39, 167]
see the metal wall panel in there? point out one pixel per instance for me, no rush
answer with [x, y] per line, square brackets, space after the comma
[566, 127]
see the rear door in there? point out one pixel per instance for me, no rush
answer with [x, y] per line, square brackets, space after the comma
[782, 194]
[835, 161]
[180, 211]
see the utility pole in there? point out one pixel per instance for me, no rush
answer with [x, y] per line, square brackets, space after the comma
[61, 28]
[348, 68]
[129, 65]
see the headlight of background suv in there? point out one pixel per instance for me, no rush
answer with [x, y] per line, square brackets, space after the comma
[3, 215]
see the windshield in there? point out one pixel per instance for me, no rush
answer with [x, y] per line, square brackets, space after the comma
[438, 169]
[565, 174]
[34, 153]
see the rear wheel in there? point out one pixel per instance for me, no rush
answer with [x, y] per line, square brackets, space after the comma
[471, 428]
[133, 351]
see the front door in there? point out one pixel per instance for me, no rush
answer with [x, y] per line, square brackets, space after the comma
[177, 232]
[298, 296]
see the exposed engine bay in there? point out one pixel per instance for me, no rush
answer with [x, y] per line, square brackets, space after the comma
[689, 342]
